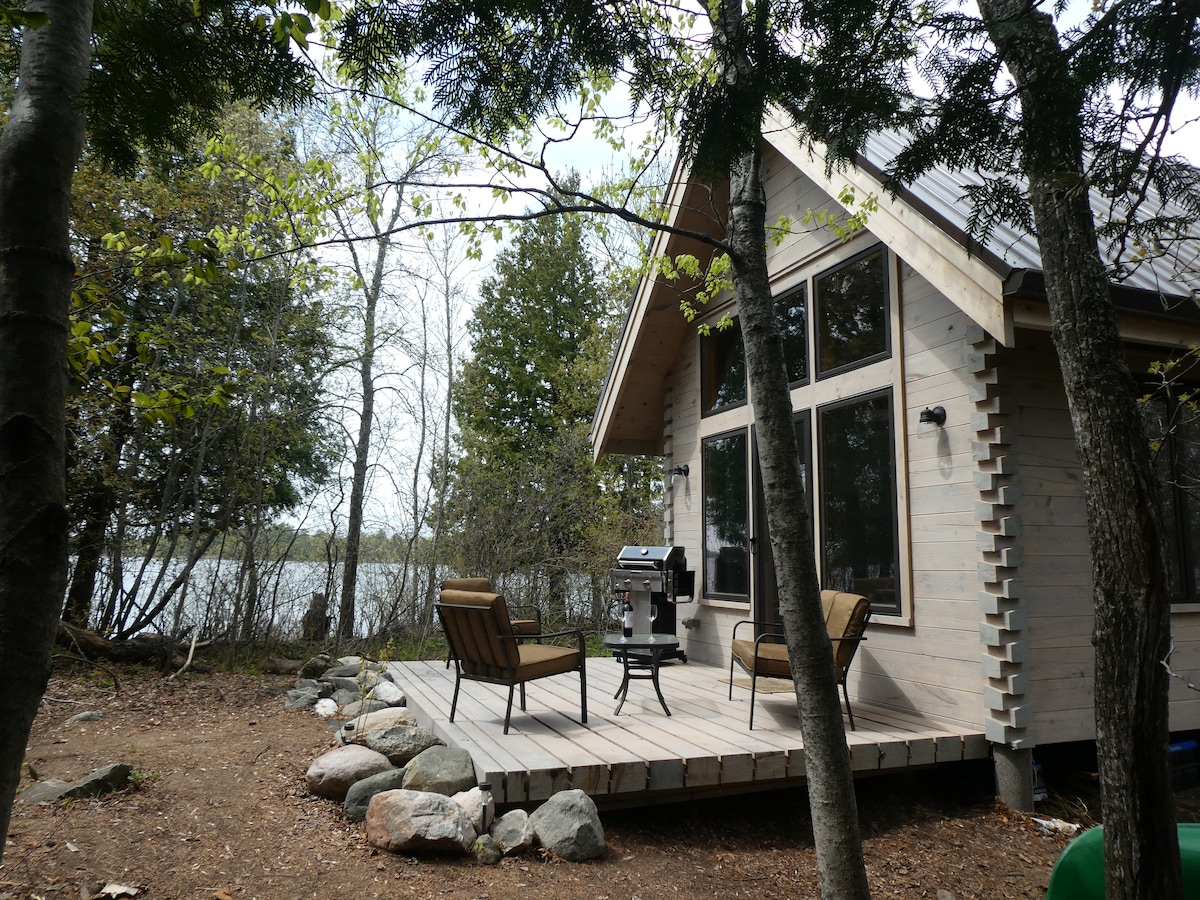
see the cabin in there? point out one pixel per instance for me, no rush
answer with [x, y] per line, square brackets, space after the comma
[938, 452]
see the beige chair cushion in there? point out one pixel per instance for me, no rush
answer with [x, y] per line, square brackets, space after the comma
[482, 585]
[772, 658]
[539, 660]
[845, 616]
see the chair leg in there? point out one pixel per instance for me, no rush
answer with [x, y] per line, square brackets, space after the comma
[753, 689]
[454, 702]
[730, 676]
[522, 696]
[849, 711]
[583, 692]
[508, 710]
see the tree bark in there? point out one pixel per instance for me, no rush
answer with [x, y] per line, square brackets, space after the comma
[1132, 607]
[836, 834]
[41, 143]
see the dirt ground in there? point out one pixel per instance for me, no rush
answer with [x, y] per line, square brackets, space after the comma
[220, 811]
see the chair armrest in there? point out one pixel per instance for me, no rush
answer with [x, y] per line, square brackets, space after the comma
[859, 639]
[572, 632]
[526, 611]
[754, 622]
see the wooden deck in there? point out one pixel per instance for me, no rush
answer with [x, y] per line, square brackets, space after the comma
[643, 756]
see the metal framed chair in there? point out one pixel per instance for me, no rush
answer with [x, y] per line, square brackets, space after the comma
[529, 623]
[846, 617]
[485, 647]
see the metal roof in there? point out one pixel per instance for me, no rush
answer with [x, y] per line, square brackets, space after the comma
[942, 192]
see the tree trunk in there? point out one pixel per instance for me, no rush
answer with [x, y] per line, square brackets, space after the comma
[836, 835]
[1133, 625]
[41, 143]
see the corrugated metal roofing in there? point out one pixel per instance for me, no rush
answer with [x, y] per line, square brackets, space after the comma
[944, 192]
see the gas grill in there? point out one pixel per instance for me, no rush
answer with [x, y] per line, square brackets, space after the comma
[655, 580]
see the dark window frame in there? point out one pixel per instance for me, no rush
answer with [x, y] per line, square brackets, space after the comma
[824, 483]
[709, 588]
[709, 404]
[817, 309]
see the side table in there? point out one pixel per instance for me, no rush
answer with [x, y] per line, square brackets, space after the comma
[640, 656]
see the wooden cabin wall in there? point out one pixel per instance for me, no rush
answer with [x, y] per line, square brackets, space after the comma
[1056, 570]
[927, 661]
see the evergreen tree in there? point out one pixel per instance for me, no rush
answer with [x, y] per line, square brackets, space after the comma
[526, 497]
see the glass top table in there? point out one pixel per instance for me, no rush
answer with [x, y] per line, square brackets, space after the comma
[640, 655]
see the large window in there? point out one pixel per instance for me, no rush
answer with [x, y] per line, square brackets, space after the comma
[726, 517]
[851, 311]
[722, 368]
[791, 309]
[858, 500]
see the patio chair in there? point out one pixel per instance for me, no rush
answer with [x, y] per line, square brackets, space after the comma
[531, 624]
[846, 617]
[486, 648]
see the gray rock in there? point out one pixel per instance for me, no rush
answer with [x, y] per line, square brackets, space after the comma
[479, 807]
[416, 821]
[94, 715]
[388, 693]
[358, 798]
[568, 826]
[315, 667]
[342, 671]
[331, 774]
[298, 699]
[514, 832]
[344, 683]
[487, 851]
[320, 688]
[401, 743]
[362, 707]
[344, 697]
[441, 770]
[356, 730]
[944, 894]
[100, 781]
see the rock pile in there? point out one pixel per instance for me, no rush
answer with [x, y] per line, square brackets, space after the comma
[415, 794]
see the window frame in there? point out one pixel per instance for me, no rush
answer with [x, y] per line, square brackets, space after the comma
[816, 308]
[896, 607]
[708, 589]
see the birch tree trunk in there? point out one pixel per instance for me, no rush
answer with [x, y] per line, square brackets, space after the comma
[1132, 633]
[38, 151]
[836, 834]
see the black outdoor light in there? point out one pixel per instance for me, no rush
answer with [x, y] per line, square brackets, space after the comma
[935, 416]
[680, 470]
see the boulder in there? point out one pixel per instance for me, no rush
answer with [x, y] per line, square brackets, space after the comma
[298, 699]
[342, 670]
[514, 832]
[440, 770]
[320, 688]
[331, 774]
[344, 683]
[479, 807]
[568, 825]
[487, 851]
[108, 778]
[356, 730]
[417, 821]
[358, 798]
[343, 697]
[388, 693]
[362, 707]
[315, 667]
[94, 715]
[401, 743]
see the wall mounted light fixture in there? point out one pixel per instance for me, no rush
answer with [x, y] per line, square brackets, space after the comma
[680, 470]
[935, 416]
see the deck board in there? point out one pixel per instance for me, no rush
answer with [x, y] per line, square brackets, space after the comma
[643, 756]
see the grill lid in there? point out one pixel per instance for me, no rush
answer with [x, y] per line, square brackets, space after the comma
[660, 559]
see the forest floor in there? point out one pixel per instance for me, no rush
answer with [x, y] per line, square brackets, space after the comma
[220, 810]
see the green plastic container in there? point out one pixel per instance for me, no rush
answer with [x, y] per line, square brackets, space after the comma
[1079, 872]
